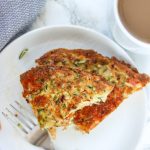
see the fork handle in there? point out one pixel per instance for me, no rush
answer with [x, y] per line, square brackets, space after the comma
[42, 139]
[38, 136]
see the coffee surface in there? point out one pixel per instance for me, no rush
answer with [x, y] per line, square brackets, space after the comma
[135, 15]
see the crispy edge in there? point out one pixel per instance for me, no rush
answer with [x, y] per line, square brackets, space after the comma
[90, 116]
[88, 53]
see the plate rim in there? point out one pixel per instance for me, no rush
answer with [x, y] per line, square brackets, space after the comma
[67, 26]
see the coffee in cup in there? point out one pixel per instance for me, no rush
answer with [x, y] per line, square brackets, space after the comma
[135, 16]
[131, 25]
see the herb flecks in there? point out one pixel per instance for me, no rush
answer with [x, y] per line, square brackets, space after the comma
[100, 98]
[45, 88]
[79, 62]
[19, 125]
[63, 106]
[23, 52]
[40, 80]
[90, 87]
[57, 101]
[40, 111]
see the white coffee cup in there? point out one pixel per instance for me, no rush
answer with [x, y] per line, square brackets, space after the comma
[124, 38]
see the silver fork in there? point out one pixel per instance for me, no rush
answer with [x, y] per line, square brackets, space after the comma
[26, 124]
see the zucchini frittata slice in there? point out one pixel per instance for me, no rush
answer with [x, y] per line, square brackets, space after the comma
[56, 93]
[125, 78]
[116, 72]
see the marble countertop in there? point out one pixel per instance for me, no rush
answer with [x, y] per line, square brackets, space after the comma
[95, 14]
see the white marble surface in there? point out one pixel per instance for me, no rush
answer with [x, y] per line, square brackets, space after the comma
[95, 14]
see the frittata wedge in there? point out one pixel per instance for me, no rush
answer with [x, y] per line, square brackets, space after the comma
[56, 93]
[125, 78]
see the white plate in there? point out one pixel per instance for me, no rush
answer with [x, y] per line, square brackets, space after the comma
[119, 131]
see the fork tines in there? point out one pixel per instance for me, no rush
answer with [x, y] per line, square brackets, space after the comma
[19, 117]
